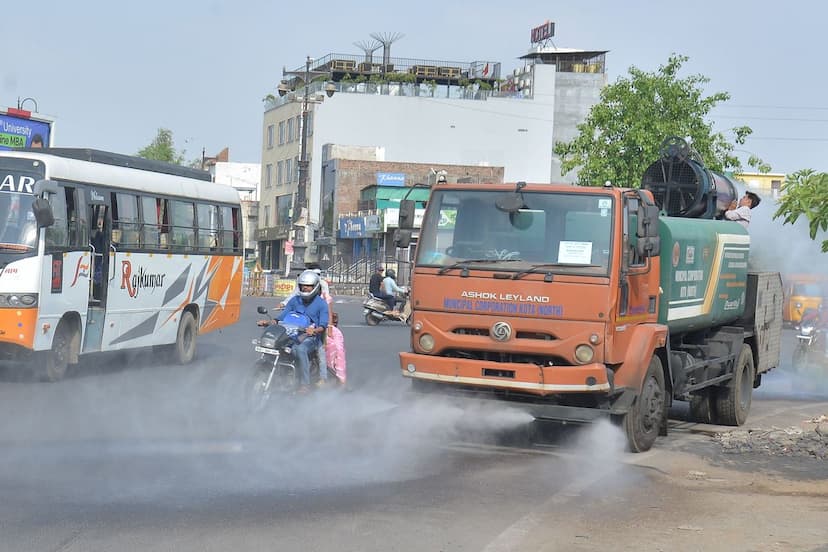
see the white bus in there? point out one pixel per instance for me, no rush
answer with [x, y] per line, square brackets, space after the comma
[104, 252]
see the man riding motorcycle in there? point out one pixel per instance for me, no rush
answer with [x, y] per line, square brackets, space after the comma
[311, 306]
[390, 287]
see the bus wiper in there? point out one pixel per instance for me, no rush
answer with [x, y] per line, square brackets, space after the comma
[536, 268]
[463, 263]
[15, 247]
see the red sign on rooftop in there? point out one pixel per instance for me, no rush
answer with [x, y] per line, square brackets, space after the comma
[545, 31]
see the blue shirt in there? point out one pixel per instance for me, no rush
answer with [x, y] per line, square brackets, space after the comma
[317, 310]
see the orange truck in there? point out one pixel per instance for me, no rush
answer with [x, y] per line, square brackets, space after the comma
[576, 303]
[802, 291]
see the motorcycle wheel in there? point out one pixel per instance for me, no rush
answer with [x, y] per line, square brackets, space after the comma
[371, 320]
[800, 359]
[256, 396]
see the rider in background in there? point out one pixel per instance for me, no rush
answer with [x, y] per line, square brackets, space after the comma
[390, 288]
[309, 302]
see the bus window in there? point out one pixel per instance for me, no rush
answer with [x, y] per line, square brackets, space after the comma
[208, 224]
[149, 225]
[125, 220]
[57, 234]
[183, 224]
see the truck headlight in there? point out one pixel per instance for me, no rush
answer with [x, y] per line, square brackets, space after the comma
[426, 342]
[584, 354]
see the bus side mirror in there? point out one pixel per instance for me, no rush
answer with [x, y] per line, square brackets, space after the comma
[406, 220]
[402, 238]
[43, 214]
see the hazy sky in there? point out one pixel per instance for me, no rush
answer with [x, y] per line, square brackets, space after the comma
[112, 73]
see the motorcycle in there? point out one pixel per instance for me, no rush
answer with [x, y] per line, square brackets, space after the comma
[276, 370]
[809, 339]
[376, 310]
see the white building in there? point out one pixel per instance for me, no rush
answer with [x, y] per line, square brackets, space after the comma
[244, 177]
[424, 112]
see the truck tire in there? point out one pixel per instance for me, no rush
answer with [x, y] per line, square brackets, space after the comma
[703, 406]
[644, 420]
[733, 401]
[185, 341]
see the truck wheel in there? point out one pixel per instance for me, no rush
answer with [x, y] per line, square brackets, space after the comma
[703, 406]
[643, 421]
[733, 401]
[185, 341]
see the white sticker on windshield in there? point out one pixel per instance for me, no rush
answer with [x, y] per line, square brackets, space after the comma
[573, 252]
[605, 203]
[604, 212]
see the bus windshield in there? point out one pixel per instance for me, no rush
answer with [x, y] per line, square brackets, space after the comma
[18, 229]
[561, 232]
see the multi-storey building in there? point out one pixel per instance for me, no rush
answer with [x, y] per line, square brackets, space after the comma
[422, 111]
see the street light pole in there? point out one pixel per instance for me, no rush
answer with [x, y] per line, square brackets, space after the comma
[302, 186]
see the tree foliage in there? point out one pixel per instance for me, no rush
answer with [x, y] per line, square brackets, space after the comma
[804, 193]
[623, 133]
[162, 148]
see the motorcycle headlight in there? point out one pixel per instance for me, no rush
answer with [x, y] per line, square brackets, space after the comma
[267, 341]
[806, 330]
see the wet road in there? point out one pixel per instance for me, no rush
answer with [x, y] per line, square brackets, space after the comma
[132, 453]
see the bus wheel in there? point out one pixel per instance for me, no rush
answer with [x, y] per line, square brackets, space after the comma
[644, 419]
[733, 402]
[185, 342]
[56, 360]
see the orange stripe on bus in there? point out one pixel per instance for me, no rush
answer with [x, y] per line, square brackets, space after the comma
[18, 326]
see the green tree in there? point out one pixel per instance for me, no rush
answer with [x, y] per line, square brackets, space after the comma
[163, 149]
[623, 133]
[804, 193]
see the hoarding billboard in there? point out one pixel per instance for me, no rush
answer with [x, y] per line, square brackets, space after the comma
[23, 129]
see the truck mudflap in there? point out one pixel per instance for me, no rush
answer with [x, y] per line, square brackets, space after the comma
[524, 378]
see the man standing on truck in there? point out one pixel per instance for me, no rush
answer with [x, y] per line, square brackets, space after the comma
[741, 212]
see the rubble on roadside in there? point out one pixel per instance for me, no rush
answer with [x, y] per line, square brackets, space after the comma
[810, 439]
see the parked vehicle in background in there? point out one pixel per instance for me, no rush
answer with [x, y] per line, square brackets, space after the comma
[104, 252]
[802, 292]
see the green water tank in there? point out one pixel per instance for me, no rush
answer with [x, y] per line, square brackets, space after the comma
[703, 272]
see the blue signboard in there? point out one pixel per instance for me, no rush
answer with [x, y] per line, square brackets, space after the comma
[19, 132]
[390, 179]
[352, 227]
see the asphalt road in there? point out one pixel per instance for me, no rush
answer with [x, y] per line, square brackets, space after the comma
[133, 453]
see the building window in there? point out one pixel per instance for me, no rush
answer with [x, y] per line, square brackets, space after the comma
[266, 216]
[281, 132]
[280, 175]
[283, 209]
[290, 130]
[269, 136]
[268, 175]
[288, 170]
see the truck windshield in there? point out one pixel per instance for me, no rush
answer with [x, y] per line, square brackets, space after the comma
[18, 229]
[560, 232]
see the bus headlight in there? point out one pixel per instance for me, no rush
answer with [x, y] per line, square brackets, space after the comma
[426, 342]
[18, 299]
[584, 354]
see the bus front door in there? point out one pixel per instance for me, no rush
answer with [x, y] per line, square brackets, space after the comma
[100, 242]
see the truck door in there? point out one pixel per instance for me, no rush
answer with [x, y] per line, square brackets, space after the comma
[637, 292]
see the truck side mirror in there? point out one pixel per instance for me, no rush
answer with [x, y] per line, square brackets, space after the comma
[648, 247]
[406, 220]
[647, 221]
[402, 238]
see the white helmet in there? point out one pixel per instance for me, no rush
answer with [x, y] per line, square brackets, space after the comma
[308, 278]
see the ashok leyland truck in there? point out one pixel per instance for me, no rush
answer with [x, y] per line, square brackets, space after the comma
[577, 303]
